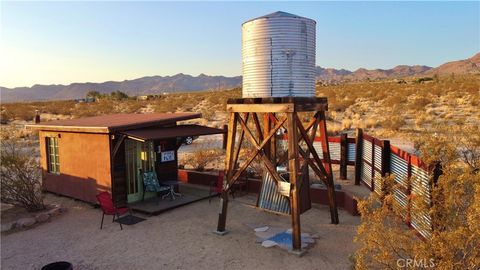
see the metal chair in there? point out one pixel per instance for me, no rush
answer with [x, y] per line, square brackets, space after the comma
[151, 183]
[216, 186]
[108, 208]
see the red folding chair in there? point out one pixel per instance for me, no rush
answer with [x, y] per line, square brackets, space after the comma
[216, 186]
[106, 203]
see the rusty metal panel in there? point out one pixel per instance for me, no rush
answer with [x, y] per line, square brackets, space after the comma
[270, 197]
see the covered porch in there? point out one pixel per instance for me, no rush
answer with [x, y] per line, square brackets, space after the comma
[156, 205]
[154, 150]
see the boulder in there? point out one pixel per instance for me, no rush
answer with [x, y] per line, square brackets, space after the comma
[42, 217]
[25, 222]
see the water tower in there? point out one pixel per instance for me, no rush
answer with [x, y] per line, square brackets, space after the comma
[278, 52]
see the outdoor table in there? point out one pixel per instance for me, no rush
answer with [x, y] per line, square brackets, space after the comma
[171, 192]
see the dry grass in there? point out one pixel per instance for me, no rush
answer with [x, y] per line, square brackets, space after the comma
[379, 106]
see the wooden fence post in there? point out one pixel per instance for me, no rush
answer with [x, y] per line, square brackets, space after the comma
[224, 143]
[343, 156]
[358, 156]
[385, 158]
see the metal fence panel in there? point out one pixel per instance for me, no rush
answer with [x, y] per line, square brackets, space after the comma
[351, 151]
[366, 171]
[334, 148]
[377, 182]
[399, 169]
[270, 198]
[378, 157]
[367, 151]
[420, 184]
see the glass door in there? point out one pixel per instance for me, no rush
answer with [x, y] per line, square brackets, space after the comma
[137, 155]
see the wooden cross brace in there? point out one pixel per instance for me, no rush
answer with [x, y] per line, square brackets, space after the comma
[258, 150]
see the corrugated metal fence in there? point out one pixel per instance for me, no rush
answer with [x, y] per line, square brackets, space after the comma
[413, 178]
[373, 159]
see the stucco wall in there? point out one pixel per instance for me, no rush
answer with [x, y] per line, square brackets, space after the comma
[84, 164]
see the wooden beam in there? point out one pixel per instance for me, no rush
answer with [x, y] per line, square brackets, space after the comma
[293, 164]
[314, 167]
[232, 130]
[343, 156]
[358, 156]
[240, 141]
[260, 107]
[326, 157]
[117, 145]
[267, 125]
[312, 150]
[258, 128]
[257, 150]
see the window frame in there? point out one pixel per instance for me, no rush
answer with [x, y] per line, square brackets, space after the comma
[53, 155]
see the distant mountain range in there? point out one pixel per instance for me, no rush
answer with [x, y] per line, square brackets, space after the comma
[186, 83]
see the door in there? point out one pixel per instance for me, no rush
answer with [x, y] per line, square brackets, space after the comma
[137, 155]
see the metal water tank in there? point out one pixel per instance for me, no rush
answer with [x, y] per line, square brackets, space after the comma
[278, 52]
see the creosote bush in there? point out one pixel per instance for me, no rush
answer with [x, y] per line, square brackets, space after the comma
[200, 158]
[20, 177]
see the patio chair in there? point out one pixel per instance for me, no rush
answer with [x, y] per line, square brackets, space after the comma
[108, 208]
[216, 186]
[151, 183]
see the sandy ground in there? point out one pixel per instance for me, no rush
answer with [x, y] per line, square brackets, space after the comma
[179, 239]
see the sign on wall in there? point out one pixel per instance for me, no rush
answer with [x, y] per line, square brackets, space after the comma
[167, 156]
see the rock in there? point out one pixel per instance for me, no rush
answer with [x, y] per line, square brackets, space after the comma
[42, 217]
[25, 222]
[261, 229]
[7, 226]
[54, 211]
[268, 243]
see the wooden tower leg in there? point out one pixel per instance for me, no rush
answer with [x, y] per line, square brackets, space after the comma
[293, 164]
[328, 167]
[229, 166]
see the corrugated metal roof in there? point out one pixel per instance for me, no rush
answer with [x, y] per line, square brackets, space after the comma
[114, 122]
[276, 15]
[171, 132]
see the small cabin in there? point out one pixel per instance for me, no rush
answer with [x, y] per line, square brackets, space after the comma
[82, 157]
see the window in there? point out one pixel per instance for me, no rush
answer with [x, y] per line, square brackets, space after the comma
[52, 155]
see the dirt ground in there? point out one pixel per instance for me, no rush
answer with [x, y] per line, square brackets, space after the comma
[178, 239]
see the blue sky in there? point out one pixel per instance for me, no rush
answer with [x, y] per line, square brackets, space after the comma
[65, 42]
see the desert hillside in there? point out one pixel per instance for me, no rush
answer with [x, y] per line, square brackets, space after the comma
[186, 83]
[392, 108]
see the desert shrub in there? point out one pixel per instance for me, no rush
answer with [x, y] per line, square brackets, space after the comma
[423, 79]
[20, 177]
[393, 123]
[118, 95]
[199, 158]
[385, 242]
[418, 103]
